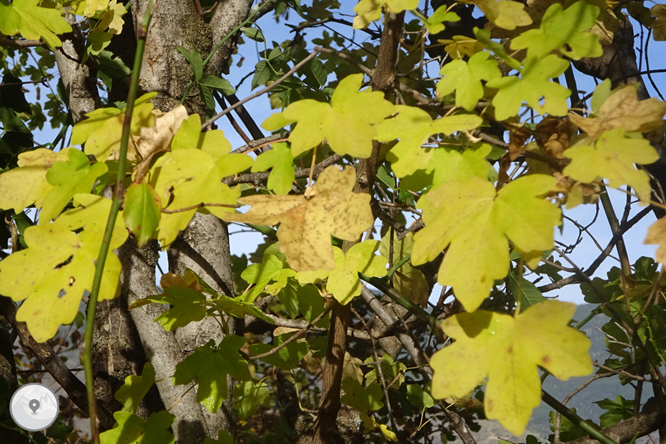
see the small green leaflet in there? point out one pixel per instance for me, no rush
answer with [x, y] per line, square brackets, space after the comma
[133, 430]
[363, 399]
[287, 357]
[142, 211]
[186, 306]
[282, 173]
[69, 178]
[210, 365]
[135, 388]
[249, 396]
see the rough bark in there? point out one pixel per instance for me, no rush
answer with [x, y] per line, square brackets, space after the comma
[8, 382]
[228, 14]
[79, 79]
[161, 346]
[175, 24]
[203, 247]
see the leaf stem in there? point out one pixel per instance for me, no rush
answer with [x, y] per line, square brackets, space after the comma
[577, 420]
[142, 32]
[397, 266]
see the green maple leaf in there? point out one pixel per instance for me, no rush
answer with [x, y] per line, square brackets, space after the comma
[102, 130]
[249, 396]
[414, 127]
[282, 175]
[260, 275]
[392, 371]
[613, 157]
[21, 187]
[32, 21]
[367, 11]
[307, 222]
[563, 30]
[476, 221]
[58, 266]
[69, 178]
[186, 306]
[508, 350]
[346, 123]
[223, 437]
[534, 87]
[434, 22]
[192, 174]
[142, 211]
[343, 281]
[362, 399]
[133, 430]
[210, 365]
[449, 165]
[287, 358]
[135, 388]
[465, 78]
[504, 13]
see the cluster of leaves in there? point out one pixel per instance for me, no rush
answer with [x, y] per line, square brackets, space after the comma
[480, 221]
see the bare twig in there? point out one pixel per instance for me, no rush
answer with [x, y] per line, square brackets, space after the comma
[238, 104]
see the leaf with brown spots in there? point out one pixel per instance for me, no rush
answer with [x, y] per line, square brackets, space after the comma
[622, 109]
[307, 222]
[508, 350]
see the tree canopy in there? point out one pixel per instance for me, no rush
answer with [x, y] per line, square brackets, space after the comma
[410, 185]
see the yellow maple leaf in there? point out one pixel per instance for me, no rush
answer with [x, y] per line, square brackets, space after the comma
[476, 221]
[102, 129]
[346, 123]
[656, 235]
[413, 127]
[623, 109]
[32, 21]
[504, 13]
[367, 11]
[613, 157]
[508, 350]
[192, 174]
[23, 186]
[659, 24]
[307, 222]
[58, 266]
[343, 282]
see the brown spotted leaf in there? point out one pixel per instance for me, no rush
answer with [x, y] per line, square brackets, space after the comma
[623, 109]
[307, 222]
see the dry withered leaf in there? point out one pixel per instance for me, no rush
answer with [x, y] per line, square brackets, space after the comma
[307, 222]
[555, 134]
[517, 139]
[623, 109]
[158, 137]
